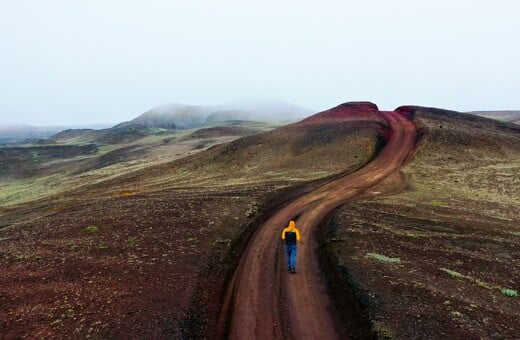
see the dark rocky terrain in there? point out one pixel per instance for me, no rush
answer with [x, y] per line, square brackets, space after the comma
[138, 238]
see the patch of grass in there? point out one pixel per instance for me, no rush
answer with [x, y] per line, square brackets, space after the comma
[275, 174]
[504, 218]
[409, 234]
[92, 230]
[480, 283]
[191, 239]
[439, 204]
[453, 273]
[20, 191]
[383, 331]
[132, 241]
[103, 149]
[509, 292]
[124, 193]
[102, 247]
[383, 258]
[319, 173]
[483, 284]
[155, 130]
[35, 156]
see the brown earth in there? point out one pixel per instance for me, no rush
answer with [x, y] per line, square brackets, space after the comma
[263, 302]
[434, 261]
[166, 236]
[172, 224]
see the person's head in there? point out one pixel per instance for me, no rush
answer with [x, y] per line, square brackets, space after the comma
[292, 224]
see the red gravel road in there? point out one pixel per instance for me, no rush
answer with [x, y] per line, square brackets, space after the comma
[264, 300]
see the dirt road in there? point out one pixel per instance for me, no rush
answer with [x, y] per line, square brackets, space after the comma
[264, 300]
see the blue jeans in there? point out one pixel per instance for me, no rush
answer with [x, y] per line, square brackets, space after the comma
[291, 252]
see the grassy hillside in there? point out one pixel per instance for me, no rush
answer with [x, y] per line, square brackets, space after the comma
[79, 158]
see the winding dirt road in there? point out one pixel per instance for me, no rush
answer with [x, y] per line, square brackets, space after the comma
[264, 300]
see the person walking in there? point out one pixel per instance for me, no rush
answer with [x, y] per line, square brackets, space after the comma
[291, 235]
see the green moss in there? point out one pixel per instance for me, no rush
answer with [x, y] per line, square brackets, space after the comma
[106, 149]
[92, 230]
[439, 204]
[483, 284]
[275, 174]
[452, 273]
[132, 241]
[509, 292]
[383, 258]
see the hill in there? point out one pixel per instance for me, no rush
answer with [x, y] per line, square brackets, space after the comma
[139, 238]
[506, 116]
[180, 116]
[159, 223]
[165, 118]
[435, 260]
[19, 133]
[16, 134]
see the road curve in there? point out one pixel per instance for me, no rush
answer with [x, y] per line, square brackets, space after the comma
[263, 300]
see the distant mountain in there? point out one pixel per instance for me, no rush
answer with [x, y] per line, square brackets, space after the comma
[180, 116]
[14, 134]
[171, 116]
[122, 133]
[512, 116]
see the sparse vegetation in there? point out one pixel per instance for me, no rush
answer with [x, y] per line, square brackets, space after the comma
[456, 218]
[384, 259]
[509, 292]
[169, 219]
[92, 230]
[453, 273]
[132, 241]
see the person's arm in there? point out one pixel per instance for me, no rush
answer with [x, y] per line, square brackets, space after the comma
[283, 234]
[297, 235]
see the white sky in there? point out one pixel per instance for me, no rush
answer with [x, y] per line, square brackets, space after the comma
[99, 61]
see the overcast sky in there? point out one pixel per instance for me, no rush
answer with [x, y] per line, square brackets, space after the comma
[104, 61]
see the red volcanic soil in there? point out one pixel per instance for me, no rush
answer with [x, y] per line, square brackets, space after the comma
[265, 302]
[173, 258]
[132, 276]
[157, 265]
[347, 111]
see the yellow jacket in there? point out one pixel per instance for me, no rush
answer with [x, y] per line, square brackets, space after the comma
[291, 234]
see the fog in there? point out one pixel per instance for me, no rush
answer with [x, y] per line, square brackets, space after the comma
[83, 62]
